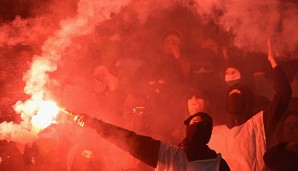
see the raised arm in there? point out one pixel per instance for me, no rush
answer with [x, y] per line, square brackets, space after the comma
[141, 147]
[282, 96]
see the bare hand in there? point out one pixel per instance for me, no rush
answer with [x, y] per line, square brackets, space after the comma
[81, 119]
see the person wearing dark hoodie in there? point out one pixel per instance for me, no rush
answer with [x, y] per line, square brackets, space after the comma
[193, 154]
[243, 140]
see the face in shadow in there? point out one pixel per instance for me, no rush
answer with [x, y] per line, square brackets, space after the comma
[197, 104]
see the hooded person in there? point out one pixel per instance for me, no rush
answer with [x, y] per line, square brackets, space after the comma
[242, 96]
[237, 77]
[203, 69]
[242, 100]
[243, 140]
[239, 105]
[193, 154]
[173, 46]
[205, 75]
[198, 130]
[232, 76]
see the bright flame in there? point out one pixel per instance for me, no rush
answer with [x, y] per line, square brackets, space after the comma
[46, 114]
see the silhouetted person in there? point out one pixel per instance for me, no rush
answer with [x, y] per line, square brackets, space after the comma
[242, 141]
[194, 153]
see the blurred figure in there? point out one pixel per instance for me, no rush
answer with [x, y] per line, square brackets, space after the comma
[137, 113]
[244, 137]
[159, 86]
[148, 107]
[172, 42]
[173, 46]
[106, 91]
[205, 75]
[284, 156]
[153, 100]
[84, 156]
[126, 69]
[194, 153]
[169, 60]
[104, 81]
[204, 71]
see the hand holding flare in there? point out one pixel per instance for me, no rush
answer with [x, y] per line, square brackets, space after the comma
[79, 118]
[64, 110]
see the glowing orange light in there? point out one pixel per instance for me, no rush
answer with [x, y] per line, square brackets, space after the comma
[46, 114]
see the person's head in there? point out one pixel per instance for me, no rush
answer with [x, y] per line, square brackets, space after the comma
[103, 80]
[84, 156]
[156, 85]
[238, 105]
[152, 83]
[202, 61]
[290, 127]
[172, 42]
[197, 101]
[198, 129]
[157, 82]
[203, 68]
[232, 76]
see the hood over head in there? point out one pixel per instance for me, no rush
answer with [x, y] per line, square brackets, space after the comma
[239, 104]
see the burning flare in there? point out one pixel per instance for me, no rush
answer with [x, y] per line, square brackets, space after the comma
[46, 115]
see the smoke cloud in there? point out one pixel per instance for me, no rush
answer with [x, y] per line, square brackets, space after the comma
[71, 38]
[89, 14]
[252, 22]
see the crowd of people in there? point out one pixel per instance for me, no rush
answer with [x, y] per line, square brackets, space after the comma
[242, 140]
[228, 125]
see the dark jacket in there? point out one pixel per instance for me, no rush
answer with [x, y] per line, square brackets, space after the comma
[276, 109]
[142, 147]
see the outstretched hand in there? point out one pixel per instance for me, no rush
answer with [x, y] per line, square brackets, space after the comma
[81, 119]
